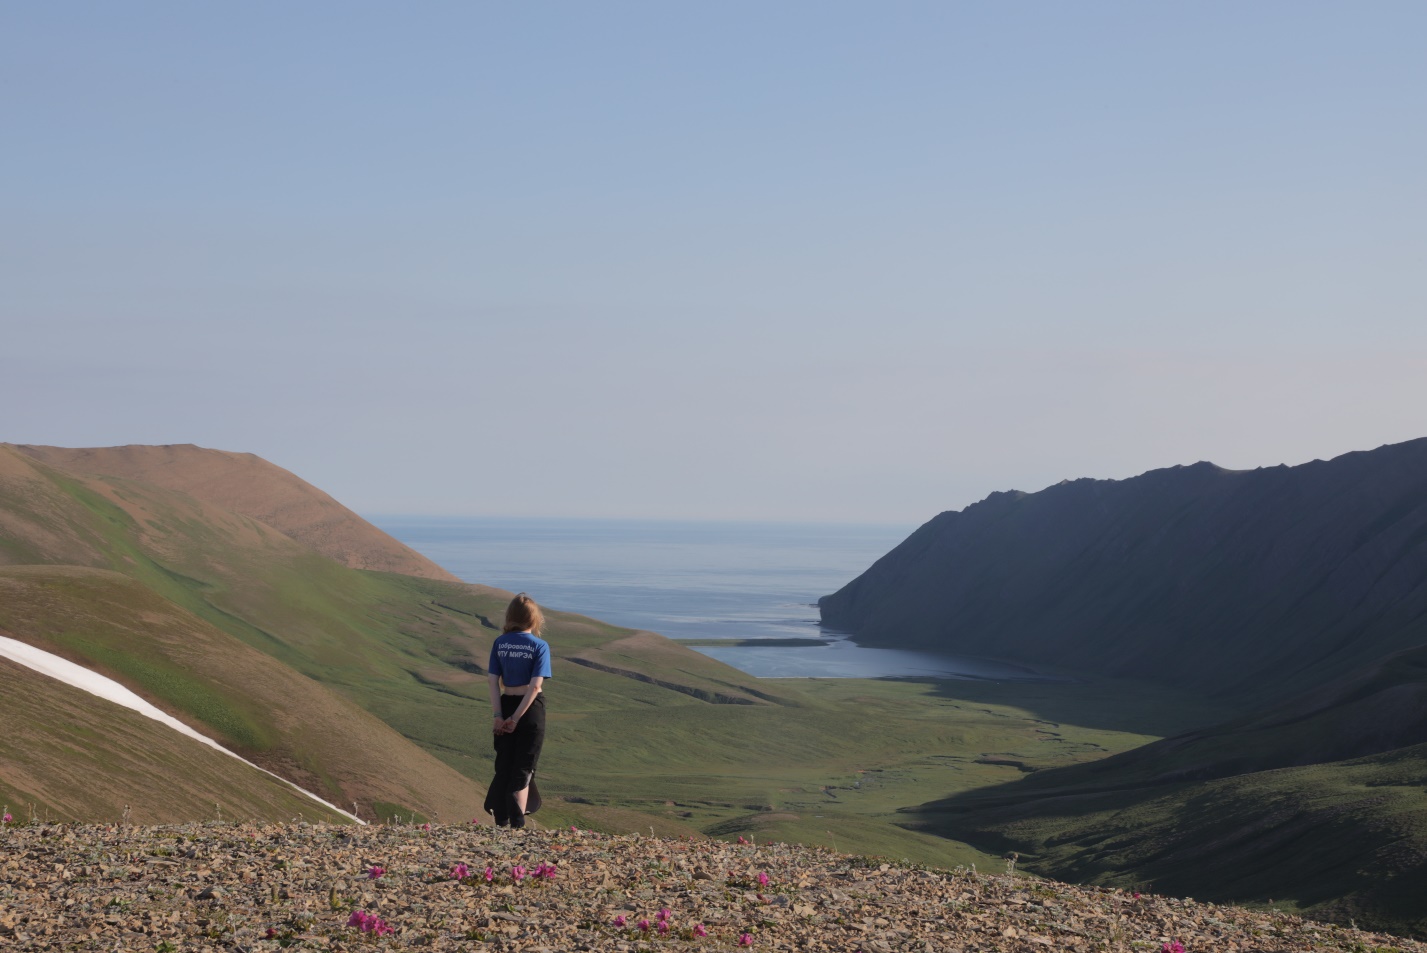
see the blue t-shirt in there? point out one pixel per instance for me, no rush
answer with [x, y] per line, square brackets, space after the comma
[517, 657]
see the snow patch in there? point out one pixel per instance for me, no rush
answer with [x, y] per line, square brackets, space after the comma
[78, 676]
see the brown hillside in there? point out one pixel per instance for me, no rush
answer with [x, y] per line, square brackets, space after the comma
[251, 486]
[44, 521]
[35, 518]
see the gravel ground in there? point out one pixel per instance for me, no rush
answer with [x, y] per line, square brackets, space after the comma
[233, 887]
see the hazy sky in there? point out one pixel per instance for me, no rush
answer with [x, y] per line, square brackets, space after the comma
[856, 261]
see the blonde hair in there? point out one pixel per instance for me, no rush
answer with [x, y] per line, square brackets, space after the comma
[523, 615]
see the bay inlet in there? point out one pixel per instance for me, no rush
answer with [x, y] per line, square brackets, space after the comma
[743, 593]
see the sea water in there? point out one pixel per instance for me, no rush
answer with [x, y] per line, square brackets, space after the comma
[691, 580]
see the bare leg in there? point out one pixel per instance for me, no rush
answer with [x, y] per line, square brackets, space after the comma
[520, 797]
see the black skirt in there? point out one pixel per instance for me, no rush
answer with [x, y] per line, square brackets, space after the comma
[516, 757]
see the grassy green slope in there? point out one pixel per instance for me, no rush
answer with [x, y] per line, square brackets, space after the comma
[1340, 840]
[1379, 708]
[242, 698]
[832, 764]
[644, 732]
[155, 568]
[1318, 803]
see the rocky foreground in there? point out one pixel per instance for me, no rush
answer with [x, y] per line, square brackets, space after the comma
[245, 887]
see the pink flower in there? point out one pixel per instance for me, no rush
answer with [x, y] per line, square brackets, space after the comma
[490, 874]
[460, 872]
[741, 840]
[1174, 947]
[426, 827]
[663, 926]
[272, 932]
[368, 923]
[699, 930]
[644, 925]
[762, 878]
[517, 873]
[574, 829]
[7, 818]
[1135, 895]
[746, 940]
[619, 920]
[664, 913]
[375, 873]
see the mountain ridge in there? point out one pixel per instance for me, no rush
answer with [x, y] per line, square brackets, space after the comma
[1195, 575]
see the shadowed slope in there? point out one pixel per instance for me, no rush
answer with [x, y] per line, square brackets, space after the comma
[1318, 802]
[1380, 708]
[251, 486]
[1257, 584]
[1341, 840]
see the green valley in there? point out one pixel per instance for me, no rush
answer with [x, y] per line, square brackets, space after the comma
[284, 654]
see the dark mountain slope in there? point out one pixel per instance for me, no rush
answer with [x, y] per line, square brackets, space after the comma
[1250, 583]
[1318, 802]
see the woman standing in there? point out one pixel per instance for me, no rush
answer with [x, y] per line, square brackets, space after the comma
[519, 665]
